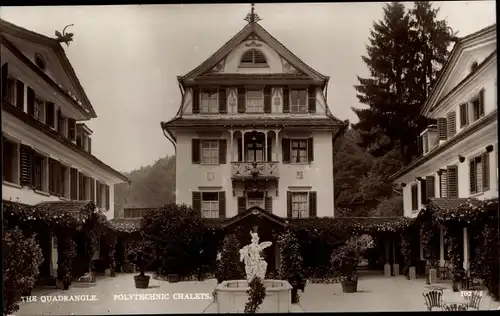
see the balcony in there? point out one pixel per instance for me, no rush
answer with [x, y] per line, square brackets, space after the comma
[254, 170]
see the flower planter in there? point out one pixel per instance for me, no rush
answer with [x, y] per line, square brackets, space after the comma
[173, 278]
[349, 286]
[141, 281]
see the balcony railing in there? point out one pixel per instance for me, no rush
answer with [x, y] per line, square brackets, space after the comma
[254, 170]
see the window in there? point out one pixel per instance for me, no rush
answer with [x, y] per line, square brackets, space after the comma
[57, 178]
[299, 151]
[414, 197]
[425, 142]
[10, 93]
[39, 114]
[39, 172]
[300, 205]
[255, 199]
[253, 57]
[61, 123]
[9, 163]
[209, 152]
[298, 101]
[210, 204]
[255, 150]
[209, 102]
[255, 101]
[40, 62]
[478, 107]
[479, 174]
[443, 180]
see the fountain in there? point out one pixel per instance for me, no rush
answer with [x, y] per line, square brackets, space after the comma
[232, 294]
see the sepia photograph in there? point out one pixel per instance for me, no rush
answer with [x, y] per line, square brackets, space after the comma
[249, 158]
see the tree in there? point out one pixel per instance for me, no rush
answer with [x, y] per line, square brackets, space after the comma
[406, 51]
[230, 266]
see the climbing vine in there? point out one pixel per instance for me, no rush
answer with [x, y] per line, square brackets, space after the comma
[256, 295]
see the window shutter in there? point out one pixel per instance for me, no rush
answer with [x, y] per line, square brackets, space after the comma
[414, 197]
[452, 123]
[420, 145]
[464, 117]
[20, 95]
[268, 206]
[50, 114]
[5, 74]
[26, 165]
[423, 192]
[486, 171]
[60, 122]
[195, 151]
[222, 101]
[310, 149]
[108, 204]
[472, 176]
[452, 175]
[89, 144]
[98, 193]
[430, 186]
[312, 99]
[285, 146]
[81, 190]
[92, 189]
[74, 183]
[312, 204]
[72, 129]
[222, 151]
[442, 128]
[481, 102]
[242, 204]
[267, 100]
[286, 100]
[222, 204]
[241, 100]
[196, 197]
[30, 97]
[240, 147]
[289, 204]
[196, 101]
[269, 150]
[52, 177]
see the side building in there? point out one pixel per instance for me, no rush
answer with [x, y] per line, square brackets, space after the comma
[47, 147]
[459, 150]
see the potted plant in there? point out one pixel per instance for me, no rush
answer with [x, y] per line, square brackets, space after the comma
[346, 258]
[141, 254]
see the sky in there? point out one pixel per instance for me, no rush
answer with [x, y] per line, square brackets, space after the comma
[128, 57]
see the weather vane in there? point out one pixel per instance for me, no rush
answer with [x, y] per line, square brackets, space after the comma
[252, 16]
[64, 37]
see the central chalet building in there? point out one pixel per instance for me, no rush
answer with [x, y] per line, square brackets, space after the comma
[254, 130]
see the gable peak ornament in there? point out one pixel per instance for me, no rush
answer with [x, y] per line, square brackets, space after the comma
[65, 38]
[252, 17]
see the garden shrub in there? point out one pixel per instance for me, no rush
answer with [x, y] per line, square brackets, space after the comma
[346, 258]
[66, 255]
[177, 232]
[229, 266]
[140, 253]
[291, 268]
[21, 258]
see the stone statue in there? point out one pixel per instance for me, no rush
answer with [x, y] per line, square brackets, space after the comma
[251, 256]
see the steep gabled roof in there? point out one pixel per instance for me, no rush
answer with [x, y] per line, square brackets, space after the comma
[455, 55]
[262, 34]
[24, 34]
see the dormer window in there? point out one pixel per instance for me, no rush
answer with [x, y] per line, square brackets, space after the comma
[40, 62]
[428, 139]
[253, 58]
[474, 66]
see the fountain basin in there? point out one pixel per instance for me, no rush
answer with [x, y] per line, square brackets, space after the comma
[232, 296]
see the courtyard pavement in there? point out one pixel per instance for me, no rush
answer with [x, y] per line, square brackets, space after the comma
[375, 293]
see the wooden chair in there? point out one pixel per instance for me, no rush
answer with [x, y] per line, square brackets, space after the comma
[455, 307]
[474, 299]
[433, 299]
